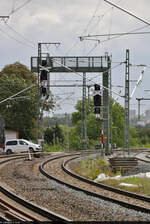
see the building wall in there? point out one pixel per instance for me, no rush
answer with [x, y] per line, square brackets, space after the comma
[11, 134]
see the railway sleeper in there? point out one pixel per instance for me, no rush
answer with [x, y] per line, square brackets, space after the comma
[121, 168]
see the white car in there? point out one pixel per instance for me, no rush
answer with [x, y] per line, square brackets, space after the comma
[20, 145]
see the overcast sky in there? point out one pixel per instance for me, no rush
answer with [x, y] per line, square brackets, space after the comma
[33, 21]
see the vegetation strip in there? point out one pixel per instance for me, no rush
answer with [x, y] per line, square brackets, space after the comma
[106, 187]
[124, 204]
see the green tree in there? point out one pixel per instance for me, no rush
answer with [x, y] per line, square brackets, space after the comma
[134, 140]
[54, 135]
[76, 116]
[118, 124]
[19, 112]
[94, 124]
[143, 135]
[48, 136]
[75, 142]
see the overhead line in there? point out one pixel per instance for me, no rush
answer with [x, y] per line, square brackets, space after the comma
[129, 13]
[31, 42]
[15, 38]
[69, 69]
[114, 37]
[20, 7]
[16, 94]
[85, 28]
[114, 34]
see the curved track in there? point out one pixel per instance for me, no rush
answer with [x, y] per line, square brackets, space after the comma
[10, 203]
[125, 199]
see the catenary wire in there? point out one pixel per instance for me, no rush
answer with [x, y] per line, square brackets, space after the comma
[129, 13]
[18, 8]
[10, 27]
[76, 42]
[18, 41]
[114, 37]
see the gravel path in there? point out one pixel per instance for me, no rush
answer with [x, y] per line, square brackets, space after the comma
[23, 178]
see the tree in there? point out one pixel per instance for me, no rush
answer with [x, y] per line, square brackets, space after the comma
[94, 124]
[54, 135]
[75, 142]
[118, 123]
[76, 116]
[19, 112]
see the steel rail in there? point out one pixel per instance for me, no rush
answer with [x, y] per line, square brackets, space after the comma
[121, 203]
[45, 213]
[104, 186]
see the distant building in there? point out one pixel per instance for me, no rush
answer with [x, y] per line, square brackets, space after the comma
[10, 134]
[132, 114]
[141, 123]
[147, 114]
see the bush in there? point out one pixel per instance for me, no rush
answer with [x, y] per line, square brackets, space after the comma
[54, 148]
[54, 135]
[74, 140]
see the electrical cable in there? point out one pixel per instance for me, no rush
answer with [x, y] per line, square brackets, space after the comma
[18, 8]
[129, 13]
[13, 5]
[68, 97]
[108, 70]
[98, 4]
[30, 42]
[115, 34]
[69, 69]
[16, 94]
[114, 37]
[18, 41]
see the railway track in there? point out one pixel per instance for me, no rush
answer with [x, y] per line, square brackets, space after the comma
[15, 208]
[70, 179]
[26, 181]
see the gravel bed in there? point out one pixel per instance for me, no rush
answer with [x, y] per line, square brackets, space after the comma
[24, 178]
[140, 168]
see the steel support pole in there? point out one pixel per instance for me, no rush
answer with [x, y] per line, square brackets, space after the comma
[127, 104]
[38, 91]
[88, 99]
[84, 137]
[110, 107]
[139, 109]
[106, 111]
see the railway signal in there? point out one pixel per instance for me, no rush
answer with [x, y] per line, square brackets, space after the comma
[43, 75]
[43, 90]
[97, 99]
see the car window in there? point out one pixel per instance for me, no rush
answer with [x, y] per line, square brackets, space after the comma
[22, 142]
[11, 143]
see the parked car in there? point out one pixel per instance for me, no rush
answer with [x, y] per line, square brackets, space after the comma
[20, 145]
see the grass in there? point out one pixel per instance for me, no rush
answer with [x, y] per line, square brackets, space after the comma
[143, 184]
[54, 148]
[92, 167]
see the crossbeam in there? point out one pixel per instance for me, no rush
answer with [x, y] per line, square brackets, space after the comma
[75, 64]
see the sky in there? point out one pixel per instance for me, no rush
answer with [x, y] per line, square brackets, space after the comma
[64, 21]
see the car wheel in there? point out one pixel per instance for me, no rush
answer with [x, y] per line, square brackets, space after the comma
[31, 150]
[9, 151]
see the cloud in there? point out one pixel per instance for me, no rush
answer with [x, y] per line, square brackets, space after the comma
[64, 20]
